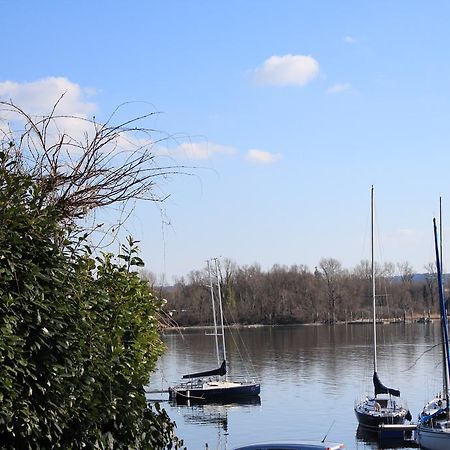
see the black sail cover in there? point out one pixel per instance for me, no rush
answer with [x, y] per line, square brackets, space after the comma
[380, 388]
[222, 370]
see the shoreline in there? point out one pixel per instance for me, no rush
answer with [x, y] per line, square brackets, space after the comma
[390, 321]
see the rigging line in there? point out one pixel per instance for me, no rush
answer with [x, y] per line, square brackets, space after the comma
[365, 244]
[173, 325]
[379, 243]
[423, 354]
[241, 356]
[382, 283]
[247, 352]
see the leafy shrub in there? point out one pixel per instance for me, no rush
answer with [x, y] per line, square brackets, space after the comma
[78, 333]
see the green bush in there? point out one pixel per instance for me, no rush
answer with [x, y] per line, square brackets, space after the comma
[78, 334]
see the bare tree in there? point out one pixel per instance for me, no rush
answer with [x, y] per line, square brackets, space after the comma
[430, 293]
[332, 269]
[407, 276]
[107, 164]
[388, 270]
[363, 270]
[406, 272]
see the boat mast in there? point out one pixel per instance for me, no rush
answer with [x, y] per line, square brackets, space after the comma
[441, 239]
[441, 236]
[444, 318]
[214, 311]
[373, 282]
[220, 309]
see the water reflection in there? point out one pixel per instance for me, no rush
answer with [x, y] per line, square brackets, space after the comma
[213, 413]
[370, 439]
[310, 377]
[213, 419]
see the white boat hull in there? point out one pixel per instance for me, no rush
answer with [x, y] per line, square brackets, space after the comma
[433, 439]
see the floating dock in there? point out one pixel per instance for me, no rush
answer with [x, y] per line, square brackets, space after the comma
[399, 434]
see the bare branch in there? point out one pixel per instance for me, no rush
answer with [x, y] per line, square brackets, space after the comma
[109, 164]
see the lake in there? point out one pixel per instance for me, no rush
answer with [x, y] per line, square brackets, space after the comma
[310, 378]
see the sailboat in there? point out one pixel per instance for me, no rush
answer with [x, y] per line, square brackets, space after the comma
[385, 406]
[214, 385]
[433, 429]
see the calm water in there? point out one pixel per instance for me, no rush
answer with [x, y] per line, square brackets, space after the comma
[310, 378]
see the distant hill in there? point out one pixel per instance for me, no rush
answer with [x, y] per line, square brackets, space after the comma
[420, 277]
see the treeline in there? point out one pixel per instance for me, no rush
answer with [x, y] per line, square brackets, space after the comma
[295, 294]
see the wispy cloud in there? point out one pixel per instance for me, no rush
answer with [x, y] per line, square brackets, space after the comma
[262, 156]
[349, 40]
[406, 235]
[296, 70]
[338, 88]
[196, 150]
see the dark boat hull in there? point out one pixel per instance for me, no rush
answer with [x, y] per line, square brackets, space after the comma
[198, 394]
[372, 423]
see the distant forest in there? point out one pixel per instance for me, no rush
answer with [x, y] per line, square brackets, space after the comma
[289, 295]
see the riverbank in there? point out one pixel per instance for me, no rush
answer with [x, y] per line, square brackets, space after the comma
[395, 320]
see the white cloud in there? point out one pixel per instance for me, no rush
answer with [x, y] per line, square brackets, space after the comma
[338, 88]
[287, 70]
[39, 97]
[72, 115]
[262, 156]
[196, 150]
[349, 40]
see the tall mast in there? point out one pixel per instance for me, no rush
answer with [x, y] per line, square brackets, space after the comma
[444, 358]
[441, 236]
[444, 318]
[214, 312]
[220, 309]
[373, 282]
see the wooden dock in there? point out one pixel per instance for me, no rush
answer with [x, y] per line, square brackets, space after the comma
[157, 391]
[156, 395]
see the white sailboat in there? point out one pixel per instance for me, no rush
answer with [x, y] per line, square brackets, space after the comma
[433, 429]
[214, 385]
[385, 406]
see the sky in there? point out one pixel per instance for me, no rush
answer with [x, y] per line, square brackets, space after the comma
[286, 113]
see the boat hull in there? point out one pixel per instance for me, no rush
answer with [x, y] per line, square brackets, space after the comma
[433, 439]
[211, 393]
[381, 410]
[372, 422]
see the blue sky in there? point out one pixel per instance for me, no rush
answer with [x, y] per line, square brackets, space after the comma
[290, 111]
